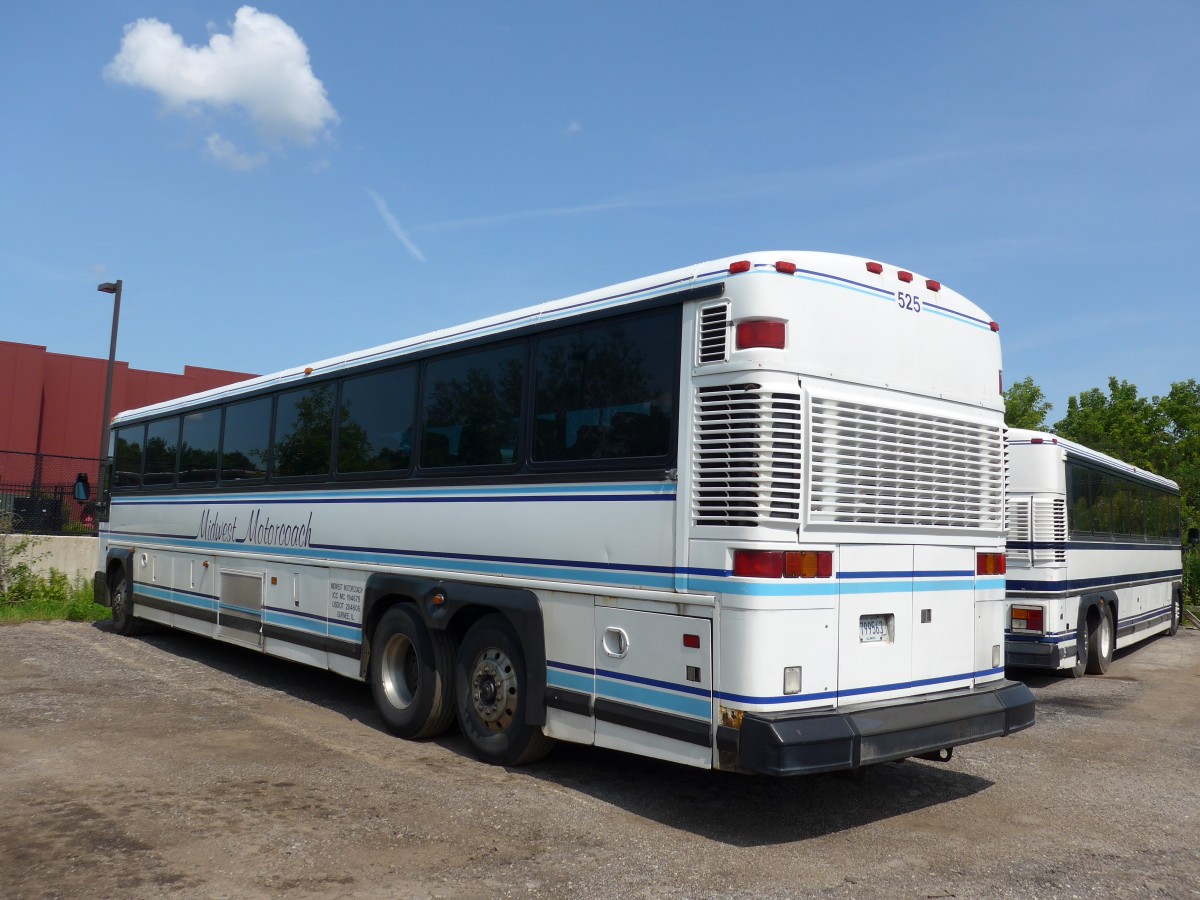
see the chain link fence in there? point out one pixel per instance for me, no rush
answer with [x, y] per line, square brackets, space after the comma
[37, 493]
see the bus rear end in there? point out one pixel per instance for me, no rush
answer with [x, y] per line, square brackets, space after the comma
[847, 507]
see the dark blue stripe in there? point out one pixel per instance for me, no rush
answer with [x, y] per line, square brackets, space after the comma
[955, 312]
[1079, 584]
[826, 695]
[586, 670]
[1088, 545]
[266, 498]
[304, 615]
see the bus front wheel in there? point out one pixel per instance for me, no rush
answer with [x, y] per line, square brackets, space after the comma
[411, 672]
[1099, 639]
[491, 693]
[120, 599]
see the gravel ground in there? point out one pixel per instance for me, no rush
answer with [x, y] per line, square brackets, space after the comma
[174, 766]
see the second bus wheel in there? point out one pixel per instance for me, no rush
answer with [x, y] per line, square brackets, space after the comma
[491, 693]
[1099, 639]
[120, 598]
[411, 672]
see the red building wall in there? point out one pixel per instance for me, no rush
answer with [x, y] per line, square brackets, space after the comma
[52, 403]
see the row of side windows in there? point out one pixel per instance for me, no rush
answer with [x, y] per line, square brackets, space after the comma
[1103, 504]
[603, 391]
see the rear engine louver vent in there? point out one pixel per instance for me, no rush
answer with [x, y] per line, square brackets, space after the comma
[747, 464]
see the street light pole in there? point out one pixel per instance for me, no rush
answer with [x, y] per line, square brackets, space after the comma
[114, 288]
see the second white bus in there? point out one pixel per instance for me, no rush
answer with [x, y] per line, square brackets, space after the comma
[1094, 556]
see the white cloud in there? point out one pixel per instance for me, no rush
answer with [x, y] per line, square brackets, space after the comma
[261, 67]
[394, 226]
[227, 154]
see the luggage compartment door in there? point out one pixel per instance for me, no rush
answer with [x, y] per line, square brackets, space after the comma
[654, 685]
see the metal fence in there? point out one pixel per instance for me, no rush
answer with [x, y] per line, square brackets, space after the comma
[37, 493]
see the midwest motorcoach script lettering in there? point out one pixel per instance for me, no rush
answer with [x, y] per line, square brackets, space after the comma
[266, 533]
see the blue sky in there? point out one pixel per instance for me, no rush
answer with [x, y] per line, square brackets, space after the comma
[283, 185]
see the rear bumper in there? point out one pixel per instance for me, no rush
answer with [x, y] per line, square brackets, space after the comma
[1029, 655]
[801, 744]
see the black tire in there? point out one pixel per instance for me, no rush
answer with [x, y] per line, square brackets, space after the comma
[411, 671]
[120, 600]
[1081, 650]
[1099, 639]
[491, 690]
[1176, 613]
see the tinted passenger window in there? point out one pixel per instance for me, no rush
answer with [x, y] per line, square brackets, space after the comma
[244, 447]
[375, 421]
[162, 449]
[1080, 504]
[606, 391]
[127, 457]
[304, 431]
[472, 406]
[198, 448]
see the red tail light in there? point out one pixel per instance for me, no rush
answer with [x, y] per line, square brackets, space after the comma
[758, 563]
[761, 334]
[1027, 618]
[785, 268]
[990, 564]
[875, 268]
[742, 265]
[932, 285]
[904, 276]
[775, 564]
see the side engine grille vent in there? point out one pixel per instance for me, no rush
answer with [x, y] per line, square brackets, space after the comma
[748, 455]
[1049, 527]
[872, 465]
[714, 334]
[1018, 531]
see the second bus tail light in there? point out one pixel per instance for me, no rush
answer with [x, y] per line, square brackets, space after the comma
[781, 564]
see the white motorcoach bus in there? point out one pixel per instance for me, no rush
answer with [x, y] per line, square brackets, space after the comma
[746, 515]
[1094, 555]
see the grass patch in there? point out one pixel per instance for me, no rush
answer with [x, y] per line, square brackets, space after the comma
[53, 597]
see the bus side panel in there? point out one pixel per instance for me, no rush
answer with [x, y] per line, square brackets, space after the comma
[654, 685]
[570, 665]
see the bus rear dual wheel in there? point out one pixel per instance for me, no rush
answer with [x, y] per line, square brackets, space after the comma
[421, 683]
[1093, 642]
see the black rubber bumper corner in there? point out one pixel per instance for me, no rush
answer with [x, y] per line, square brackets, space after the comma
[791, 744]
[1032, 656]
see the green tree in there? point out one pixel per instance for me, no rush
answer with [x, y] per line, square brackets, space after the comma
[1181, 410]
[1119, 423]
[1025, 405]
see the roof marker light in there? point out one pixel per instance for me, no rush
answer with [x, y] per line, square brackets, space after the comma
[308, 370]
[742, 265]
[785, 268]
[932, 285]
[877, 268]
[995, 326]
[904, 276]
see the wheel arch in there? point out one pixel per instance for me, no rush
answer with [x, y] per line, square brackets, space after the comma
[454, 606]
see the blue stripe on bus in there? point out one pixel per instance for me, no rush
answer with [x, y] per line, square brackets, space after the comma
[1076, 584]
[305, 622]
[184, 598]
[631, 692]
[614, 574]
[625, 493]
[900, 573]
[1090, 545]
[854, 692]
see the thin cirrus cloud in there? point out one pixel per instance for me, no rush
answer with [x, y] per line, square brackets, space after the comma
[261, 68]
[394, 226]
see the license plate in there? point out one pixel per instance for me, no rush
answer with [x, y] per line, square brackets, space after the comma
[872, 629]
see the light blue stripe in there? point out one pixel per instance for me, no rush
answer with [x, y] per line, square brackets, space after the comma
[954, 318]
[644, 696]
[572, 681]
[887, 298]
[175, 596]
